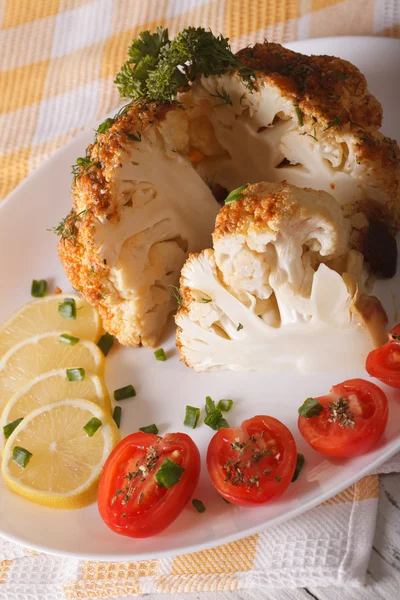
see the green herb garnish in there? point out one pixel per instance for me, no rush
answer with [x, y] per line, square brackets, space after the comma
[169, 473]
[149, 429]
[239, 327]
[310, 408]
[83, 163]
[67, 308]
[235, 195]
[21, 456]
[192, 414]
[299, 115]
[105, 125]
[38, 288]
[339, 412]
[92, 426]
[67, 228]
[117, 416]
[68, 339]
[225, 405]
[75, 374]
[160, 354]
[125, 392]
[9, 428]
[176, 294]
[105, 343]
[205, 300]
[198, 505]
[224, 97]
[336, 122]
[299, 465]
[157, 67]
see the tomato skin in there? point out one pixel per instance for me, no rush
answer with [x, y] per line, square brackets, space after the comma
[370, 414]
[153, 508]
[384, 362]
[270, 437]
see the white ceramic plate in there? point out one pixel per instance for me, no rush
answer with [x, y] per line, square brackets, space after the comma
[163, 389]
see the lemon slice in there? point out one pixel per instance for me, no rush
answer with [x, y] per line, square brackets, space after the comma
[42, 315]
[66, 462]
[43, 353]
[53, 387]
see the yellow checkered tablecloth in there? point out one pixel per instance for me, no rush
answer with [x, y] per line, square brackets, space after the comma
[58, 59]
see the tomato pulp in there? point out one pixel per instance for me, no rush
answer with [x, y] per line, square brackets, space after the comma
[348, 421]
[253, 463]
[131, 500]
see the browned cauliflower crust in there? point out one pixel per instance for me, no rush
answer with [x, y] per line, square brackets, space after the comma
[142, 196]
[280, 290]
[331, 93]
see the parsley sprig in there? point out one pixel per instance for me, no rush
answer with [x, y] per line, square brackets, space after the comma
[157, 66]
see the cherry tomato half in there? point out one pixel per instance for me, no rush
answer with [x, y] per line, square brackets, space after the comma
[253, 463]
[350, 420]
[384, 362]
[131, 501]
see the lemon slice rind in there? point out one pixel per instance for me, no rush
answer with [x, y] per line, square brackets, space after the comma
[13, 330]
[13, 378]
[100, 397]
[81, 495]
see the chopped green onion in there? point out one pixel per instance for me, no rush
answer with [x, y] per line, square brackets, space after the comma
[117, 415]
[210, 405]
[169, 473]
[192, 414]
[199, 506]
[160, 354]
[75, 374]
[310, 408]
[21, 456]
[67, 308]
[236, 194]
[9, 428]
[39, 287]
[105, 343]
[92, 426]
[225, 405]
[149, 429]
[215, 420]
[68, 339]
[299, 465]
[125, 392]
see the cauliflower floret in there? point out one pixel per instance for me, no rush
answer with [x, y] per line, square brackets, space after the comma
[138, 212]
[274, 244]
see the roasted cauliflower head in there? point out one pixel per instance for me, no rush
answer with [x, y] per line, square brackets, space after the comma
[202, 122]
[281, 289]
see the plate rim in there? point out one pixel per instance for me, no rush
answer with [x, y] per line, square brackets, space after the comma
[392, 449]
